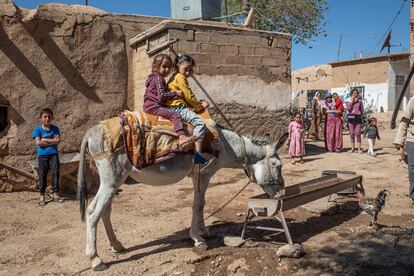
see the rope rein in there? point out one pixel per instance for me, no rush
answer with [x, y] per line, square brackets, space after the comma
[228, 201]
[248, 172]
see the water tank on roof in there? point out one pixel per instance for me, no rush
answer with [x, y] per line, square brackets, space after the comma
[195, 9]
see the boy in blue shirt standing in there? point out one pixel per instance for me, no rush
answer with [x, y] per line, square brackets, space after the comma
[47, 137]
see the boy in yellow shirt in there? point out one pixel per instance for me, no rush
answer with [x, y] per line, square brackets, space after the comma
[184, 68]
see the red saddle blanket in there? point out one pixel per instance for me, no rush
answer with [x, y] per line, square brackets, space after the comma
[150, 139]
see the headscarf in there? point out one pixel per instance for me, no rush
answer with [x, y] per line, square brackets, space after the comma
[328, 95]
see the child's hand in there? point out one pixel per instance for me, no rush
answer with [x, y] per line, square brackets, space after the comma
[179, 93]
[204, 104]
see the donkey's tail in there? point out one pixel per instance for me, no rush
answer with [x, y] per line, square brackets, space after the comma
[82, 189]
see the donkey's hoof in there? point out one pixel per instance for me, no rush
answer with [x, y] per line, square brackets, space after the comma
[118, 248]
[206, 234]
[201, 245]
[98, 264]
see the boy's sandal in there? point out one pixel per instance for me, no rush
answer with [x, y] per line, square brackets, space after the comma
[58, 199]
[189, 142]
[293, 162]
[301, 161]
[42, 202]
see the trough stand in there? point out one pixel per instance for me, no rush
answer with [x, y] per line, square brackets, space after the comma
[295, 196]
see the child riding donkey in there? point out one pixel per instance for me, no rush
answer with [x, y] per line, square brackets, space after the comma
[188, 106]
[156, 96]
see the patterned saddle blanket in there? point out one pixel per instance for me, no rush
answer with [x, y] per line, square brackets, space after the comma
[150, 139]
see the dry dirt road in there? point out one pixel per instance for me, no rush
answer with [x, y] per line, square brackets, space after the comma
[152, 223]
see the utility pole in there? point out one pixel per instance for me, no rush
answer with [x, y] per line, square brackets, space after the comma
[86, 2]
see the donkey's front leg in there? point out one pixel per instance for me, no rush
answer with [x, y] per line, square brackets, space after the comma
[200, 184]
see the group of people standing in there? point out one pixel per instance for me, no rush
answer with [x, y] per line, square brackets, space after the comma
[332, 110]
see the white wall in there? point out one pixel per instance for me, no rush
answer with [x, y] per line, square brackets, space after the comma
[375, 97]
[247, 90]
[402, 68]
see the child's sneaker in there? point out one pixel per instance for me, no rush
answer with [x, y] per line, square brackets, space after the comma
[199, 159]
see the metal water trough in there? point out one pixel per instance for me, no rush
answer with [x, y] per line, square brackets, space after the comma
[295, 196]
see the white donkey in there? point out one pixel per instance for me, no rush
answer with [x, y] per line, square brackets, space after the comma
[261, 162]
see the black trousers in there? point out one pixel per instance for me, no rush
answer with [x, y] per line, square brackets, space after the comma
[46, 162]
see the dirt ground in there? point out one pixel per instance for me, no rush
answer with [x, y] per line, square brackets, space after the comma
[152, 222]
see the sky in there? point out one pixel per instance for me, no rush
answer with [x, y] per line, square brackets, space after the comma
[362, 24]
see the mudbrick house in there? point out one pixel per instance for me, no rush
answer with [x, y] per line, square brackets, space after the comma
[87, 65]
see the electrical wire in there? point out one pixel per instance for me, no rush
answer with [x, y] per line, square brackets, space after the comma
[227, 16]
[389, 27]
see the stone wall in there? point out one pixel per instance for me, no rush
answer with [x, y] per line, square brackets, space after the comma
[239, 67]
[73, 59]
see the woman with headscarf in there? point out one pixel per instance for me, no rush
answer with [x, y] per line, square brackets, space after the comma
[316, 116]
[333, 125]
[355, 110]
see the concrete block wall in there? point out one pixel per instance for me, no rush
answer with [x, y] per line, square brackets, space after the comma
[249, 69]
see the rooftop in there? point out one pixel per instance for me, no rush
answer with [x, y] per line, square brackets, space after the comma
[201, 24]
[395, 56]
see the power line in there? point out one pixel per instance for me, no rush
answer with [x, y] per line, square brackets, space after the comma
[361, 34]
[389, 27]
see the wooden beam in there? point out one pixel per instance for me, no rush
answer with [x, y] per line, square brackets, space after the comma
[18, 171]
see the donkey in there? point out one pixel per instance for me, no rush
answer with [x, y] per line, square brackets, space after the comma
[260, 161]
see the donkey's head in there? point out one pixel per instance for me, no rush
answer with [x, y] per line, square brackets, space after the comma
[267, 172]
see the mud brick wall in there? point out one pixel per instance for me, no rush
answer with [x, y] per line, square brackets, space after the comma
[245, 72]
[73, 59]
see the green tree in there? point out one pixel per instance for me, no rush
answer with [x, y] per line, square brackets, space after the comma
[304, 19]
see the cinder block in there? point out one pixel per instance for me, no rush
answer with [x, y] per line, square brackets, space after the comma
[270, 61]
[187, 47]
[219, 38]
[235, 60]
[278, 52]
[228, 70]
[209, 48]
[217, 59]
[190, 35]
[246, 50]
[177, 34]
[202, 36]
[235, 39]
[229, 50]
[252, 60]
[256, 40]
[202, 59]
[283, 42]
[262, 51]
[207, 69]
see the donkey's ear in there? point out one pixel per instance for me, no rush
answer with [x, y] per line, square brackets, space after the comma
[267, 138]
[280, 142]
